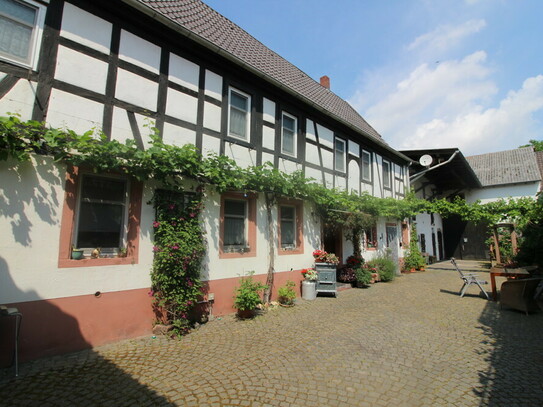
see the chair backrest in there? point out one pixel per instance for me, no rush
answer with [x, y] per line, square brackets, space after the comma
[453, 261]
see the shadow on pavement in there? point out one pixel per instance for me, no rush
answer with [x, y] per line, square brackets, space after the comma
[515, 358]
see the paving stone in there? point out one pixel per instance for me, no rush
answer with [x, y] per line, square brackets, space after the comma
[411, 342]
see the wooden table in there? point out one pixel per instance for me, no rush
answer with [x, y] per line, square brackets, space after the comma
[514, 273]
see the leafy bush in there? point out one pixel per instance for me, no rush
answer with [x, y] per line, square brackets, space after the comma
[247, 295]
[286, 294]
[413, 258]
[385, 267]
[355, 261]
[363, 275]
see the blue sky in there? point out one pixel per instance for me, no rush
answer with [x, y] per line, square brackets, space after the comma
[424, 73]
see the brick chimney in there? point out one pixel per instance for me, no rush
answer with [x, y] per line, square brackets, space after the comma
[325, 81]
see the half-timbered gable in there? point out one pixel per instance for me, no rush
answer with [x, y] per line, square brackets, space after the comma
[123, 67]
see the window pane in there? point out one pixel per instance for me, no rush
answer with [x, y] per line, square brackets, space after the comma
[234, 231]
[366, 166]
[238, 101]
[18, 11]
[288, 141]
[386, 174]
[340, 157]
[238, 122]
[99, 225]
[287, 212]
[289, 123]
[287, 233]
[234, 208]
[14, 38]
[103, 189]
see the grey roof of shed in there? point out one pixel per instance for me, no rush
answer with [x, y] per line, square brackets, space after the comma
[199, 19]
[506, 167]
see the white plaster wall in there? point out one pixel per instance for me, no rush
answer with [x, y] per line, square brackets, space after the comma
[326, 136]
[20, 99]
[312, 154]
[354, 176]
[31, 201]
[341, 183]
[121, 130]
[232, 268]
[328, 180]
[366, 188]
[136, 89]
[184, 72]
[139, 52]
[212, 117]
[81, 70]
[211, 144]
[288, 166]
[243, 156]
[74, 112]
[86, 28]
[354, 148]
[425, 226]
[268, 110]
[327, 159]
[313, 173]
[490, 194]
[268, 137]
[178, 136]
[181, 106]
[213, 85]
[377, 175]
[310, 130]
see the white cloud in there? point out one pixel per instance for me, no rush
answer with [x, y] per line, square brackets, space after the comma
[452, 104]
[446, 36]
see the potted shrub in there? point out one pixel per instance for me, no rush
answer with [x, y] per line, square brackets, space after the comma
[247, 296]
[385, 266]
[286, 294]
[414, 260]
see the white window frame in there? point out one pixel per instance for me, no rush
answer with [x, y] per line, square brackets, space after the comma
[344, 155]
[295, 136]
[247, 114]
[293, 245]
[104, 251]
[387, 181]
[228, 248]
[367, 177]
[35, 39]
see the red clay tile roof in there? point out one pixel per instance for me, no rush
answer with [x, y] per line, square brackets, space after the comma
[202, 20]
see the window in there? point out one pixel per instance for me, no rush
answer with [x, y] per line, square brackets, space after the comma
[339, 154]
[290, 227]
[101, 214]
[238, 225]
[100, 211]
[239, 116]
[366, 165]
[288, 134]
[371, 238]
[18, 30]
[387, 182]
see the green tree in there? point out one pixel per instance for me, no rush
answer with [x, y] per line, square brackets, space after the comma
[536, 144]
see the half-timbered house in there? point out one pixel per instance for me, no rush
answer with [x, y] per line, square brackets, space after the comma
[120, 66]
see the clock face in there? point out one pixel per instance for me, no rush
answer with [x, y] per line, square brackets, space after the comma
[426, 160]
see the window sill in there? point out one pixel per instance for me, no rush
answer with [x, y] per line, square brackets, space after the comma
[285, 252]
[88, 262]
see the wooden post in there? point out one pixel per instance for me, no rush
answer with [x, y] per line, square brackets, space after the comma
[514, 243]
[496, 245]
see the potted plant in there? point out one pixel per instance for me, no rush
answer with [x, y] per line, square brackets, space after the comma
[363, 276]
[286, 294]
[414, 260]
[122, 252]
[309, 284]
[247, 296]
[77, 254]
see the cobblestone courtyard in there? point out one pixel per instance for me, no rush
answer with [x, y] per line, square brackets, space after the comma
[412, 342]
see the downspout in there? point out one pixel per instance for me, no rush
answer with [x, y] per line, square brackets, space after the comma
[416, 176]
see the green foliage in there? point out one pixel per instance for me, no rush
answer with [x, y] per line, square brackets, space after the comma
[530, 248]
[363, 275]
[536, 144]
[384, 265]
[286, 294]
[413, 258]
[179, 248]
[247, 295]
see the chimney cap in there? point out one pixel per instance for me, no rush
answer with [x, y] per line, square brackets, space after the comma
[325, 81]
